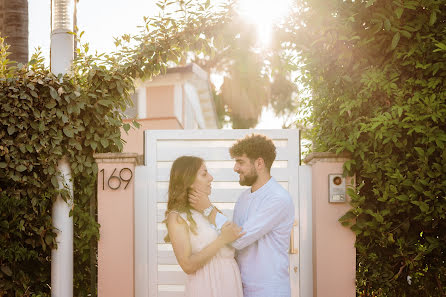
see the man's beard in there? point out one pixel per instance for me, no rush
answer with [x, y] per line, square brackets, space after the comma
[249, 179]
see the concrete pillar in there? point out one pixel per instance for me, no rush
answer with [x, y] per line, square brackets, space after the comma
[334, 254]
[116, 175]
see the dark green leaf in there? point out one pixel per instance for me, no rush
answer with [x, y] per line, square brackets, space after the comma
[441, 45]
[433, 18]
[402, 198]
[11, 130]
[104, 142]
[126, 127]
[420, 151]
[68, 132]
[54, 94]
[21, 168]
[395, 40]
[34, 94]
[424, 207]
[55, 182]
[105, 102]
[6, 270]
[136, 124]
[387, 25]
[29, 148]
[406, 34]
[399, 12]
[50, 104]
[48, 239]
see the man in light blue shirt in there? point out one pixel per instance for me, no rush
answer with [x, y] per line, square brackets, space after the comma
[266, 213]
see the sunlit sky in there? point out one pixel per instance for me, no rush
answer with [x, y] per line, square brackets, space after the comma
[104, 19]
[263, 14]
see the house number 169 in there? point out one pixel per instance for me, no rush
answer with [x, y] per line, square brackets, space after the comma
[114, 181]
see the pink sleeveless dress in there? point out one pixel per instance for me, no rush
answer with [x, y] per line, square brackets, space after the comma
[220, 277]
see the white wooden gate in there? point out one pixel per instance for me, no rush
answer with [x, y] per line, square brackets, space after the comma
[157, 273]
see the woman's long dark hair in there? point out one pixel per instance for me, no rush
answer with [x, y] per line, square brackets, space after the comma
[182, 175]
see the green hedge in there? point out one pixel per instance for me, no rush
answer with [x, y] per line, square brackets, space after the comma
[377, 74]
[44, 117]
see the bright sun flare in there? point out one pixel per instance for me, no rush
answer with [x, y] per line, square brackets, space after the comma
[264, 14]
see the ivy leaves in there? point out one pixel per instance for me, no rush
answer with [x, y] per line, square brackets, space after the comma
[44, 117]
[391, 115]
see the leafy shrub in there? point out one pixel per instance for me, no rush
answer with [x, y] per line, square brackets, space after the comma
[377, 74]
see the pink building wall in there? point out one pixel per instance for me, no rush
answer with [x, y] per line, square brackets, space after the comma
[160, 101]
[334, 254]
[160, 116]
[116, 219]
[134, 137]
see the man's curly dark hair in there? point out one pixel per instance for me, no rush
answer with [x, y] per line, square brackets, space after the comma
[255, 146]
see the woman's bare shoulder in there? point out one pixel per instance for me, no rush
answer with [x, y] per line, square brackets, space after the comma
[175, 218]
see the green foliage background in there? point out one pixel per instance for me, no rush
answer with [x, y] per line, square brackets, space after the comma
[44, 117]
[376, 70]
[254, 76]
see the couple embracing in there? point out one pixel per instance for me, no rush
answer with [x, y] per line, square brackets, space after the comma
[247, 257]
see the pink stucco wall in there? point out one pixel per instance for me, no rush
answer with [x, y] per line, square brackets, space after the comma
[160, 101]
[135, 139]
[116, 219]
[160, 116]
[334, 254]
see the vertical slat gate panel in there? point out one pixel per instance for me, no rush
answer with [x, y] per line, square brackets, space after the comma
[150, 155]
[293, 188]
[305, 227]
[165, 278]
[141, 227]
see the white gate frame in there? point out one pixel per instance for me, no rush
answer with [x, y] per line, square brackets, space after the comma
[300, 182]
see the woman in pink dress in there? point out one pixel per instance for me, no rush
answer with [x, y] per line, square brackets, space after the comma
[200, 249]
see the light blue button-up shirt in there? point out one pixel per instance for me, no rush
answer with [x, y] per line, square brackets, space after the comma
[267, 216]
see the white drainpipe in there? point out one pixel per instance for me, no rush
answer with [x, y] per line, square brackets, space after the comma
[62, 54]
